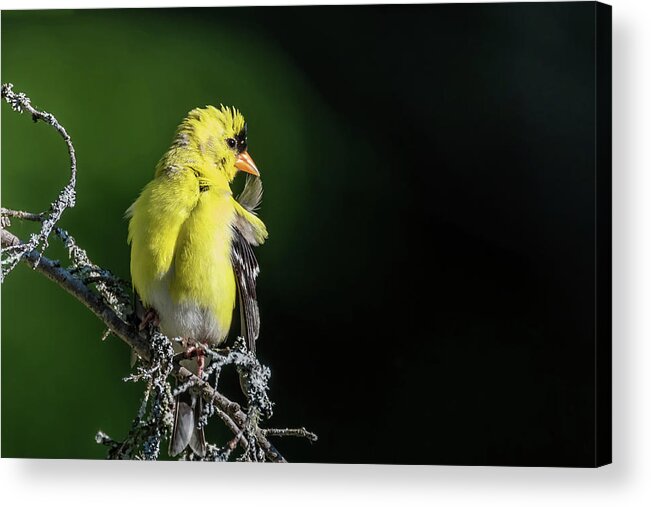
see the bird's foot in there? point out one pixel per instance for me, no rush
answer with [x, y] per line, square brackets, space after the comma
[150, 317]
[199, 352]
[201, 362]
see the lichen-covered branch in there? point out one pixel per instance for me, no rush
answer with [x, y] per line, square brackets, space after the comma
[109, 298]
[66, 198]
[75, 286]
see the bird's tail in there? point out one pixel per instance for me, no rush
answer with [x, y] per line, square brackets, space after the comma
[186, 430]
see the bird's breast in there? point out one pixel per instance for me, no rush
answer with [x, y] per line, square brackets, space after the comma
[197, 296]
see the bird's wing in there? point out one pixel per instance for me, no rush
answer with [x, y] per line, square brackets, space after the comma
[246, 270]
[248, 231]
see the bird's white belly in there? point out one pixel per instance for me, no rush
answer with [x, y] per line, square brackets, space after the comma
[186, 319]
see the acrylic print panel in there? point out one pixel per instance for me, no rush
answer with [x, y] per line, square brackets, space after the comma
[435, 286]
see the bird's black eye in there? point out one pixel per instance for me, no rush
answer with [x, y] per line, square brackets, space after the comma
[231, 142]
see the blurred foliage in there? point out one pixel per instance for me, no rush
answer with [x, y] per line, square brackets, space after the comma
[120, 81]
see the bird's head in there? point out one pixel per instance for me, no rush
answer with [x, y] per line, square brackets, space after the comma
[219, 137]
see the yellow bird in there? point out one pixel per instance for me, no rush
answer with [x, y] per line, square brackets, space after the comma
[191, 244]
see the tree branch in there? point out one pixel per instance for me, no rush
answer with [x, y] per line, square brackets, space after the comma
[64, 279]
[231, 409]
[23, 215]
[66, 199]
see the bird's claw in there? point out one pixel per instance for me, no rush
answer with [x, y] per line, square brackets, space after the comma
[198, 352]
[150, 317]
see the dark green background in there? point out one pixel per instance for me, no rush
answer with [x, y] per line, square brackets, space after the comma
[427, 291]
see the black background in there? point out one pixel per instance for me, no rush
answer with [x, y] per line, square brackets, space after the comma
[442, 304]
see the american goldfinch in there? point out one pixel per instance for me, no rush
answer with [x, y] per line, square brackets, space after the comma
[191, 244]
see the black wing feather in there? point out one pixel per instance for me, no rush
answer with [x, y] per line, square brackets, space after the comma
[246, 270]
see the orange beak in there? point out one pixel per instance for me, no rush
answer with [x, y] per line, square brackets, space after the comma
[245, 163]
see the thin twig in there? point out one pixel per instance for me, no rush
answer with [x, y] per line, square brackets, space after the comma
[66, 198]
[22, 215]
[290, 432]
